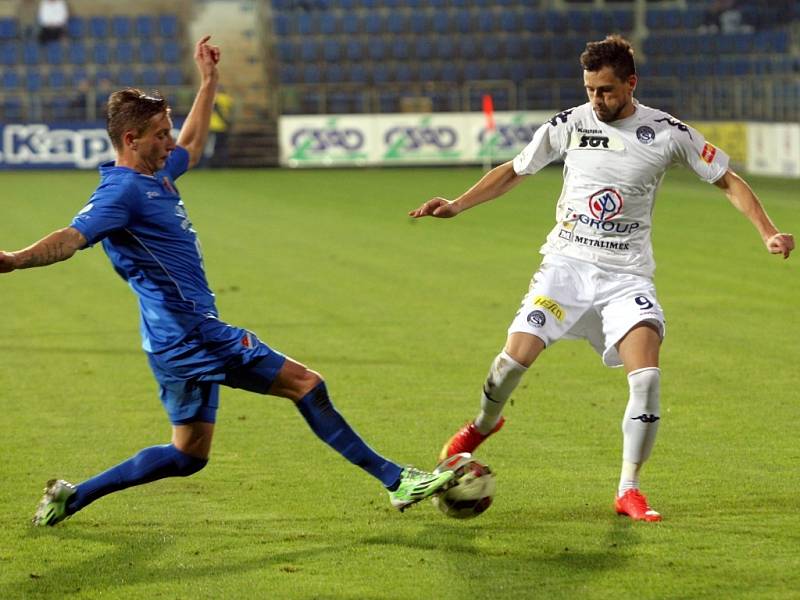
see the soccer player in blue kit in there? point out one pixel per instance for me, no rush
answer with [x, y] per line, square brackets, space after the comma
[138, 215]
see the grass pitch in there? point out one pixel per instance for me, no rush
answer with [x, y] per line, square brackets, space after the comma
[403, 319]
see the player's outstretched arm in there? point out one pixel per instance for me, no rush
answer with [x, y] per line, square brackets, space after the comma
[59, 245]
[495, 183]
[743, 198]
[195, 128]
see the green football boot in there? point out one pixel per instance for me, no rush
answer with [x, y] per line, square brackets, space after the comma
[52, 507]
[416, 485]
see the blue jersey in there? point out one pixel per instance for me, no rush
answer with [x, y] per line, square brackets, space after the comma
[149, 239]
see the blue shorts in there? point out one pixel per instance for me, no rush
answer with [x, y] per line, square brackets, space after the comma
[213, 354]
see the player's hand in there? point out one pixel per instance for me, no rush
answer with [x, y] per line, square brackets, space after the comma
[206, 57]
[781, 243]
[435, 207]
[8, 262]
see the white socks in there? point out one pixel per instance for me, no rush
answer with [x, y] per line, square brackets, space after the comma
[639, 425]
[503, 378]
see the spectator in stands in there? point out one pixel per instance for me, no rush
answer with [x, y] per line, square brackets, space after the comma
[221, 117]
[27, 18]
[53, 16]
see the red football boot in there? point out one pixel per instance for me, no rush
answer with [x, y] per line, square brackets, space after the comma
[634, 504]
[467, 439]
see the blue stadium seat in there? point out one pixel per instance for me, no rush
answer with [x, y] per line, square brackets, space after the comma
[358, 73]
[9, 54]
[171, 52]
[496, 70]
[510, 22]
[335, 73]
[423, 50]
[350, 24]
[400, 49]
[377, 49]
[622, 19]
[59, 109]
[287, 74]
[472, 71]
[76, 28]
[397, 23]
[31, 53]
[533, 21]
[312, 74]
[328, 25]
[282, 25]
[173, 76]
[418, 23]
[149, 77]
[490, 49]
[54, 53]
[305, 24]
[429, 71]
[331, 50]
[76, 53]
[445, 49]
[463, 22]
[467, 48]
[121, 26]
[380, 73]
[148, 51]
[441, 22]
[354, 50]
[450, 72]
[98, 27]
[145, 27]
[518, 71]
[9, 29]
[286, 51]
[126, 76]
[580, 21]
[373, 23]
[514, 47]
[403, 73]
[309, 49]
[12, 109]
[485, 21]
[33, 81]
[10, 80]
[556, 21]
[124, 52]
[57, 78]
[168, 25]
[101, 53]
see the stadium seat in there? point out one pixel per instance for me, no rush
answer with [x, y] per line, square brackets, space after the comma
[9, 29]
[76, 28]
[101, 53]
[171, 52]
[381, 73]
[404, 74]
[377, 49]
[57, 78]
[445, 49]
[463, 22]
[423, 49]
[312, 74]
[328, 24]
[418, 23]
[121, 27]
[98, 27]
[429, 71]
[9, 54]
[10, 80]
[397, 23]
[173, 76]
[400, 49]
[33, 81]
[485, 21]
[354, 51]
[149, 77]
[54, 53]
[514, 48]
[76, 53]
[335, 73]
[168, 26]
[509, 22]
[468, 48]
[12, 109]
[124, 52]
[373, 23]
[287, 74]
[148, 52]
[145, 28]
[305, 24]
[331, 50]
[282, 25]
[351, 24]
[31, 53]
[126, 76]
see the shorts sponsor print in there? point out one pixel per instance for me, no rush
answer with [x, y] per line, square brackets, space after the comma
[572, 299]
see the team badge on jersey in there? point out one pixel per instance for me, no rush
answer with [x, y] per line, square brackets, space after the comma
[708, 153]
[645, 134]
[605, 204]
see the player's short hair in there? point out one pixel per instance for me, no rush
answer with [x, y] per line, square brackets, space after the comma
[131, 108]
[615, 52]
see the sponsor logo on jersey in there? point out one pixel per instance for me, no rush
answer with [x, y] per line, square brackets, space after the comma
[584, 141]
[86, 208]
[676, 123]
[645, 134]
[550, 305]
[152, 195]
[536, 318]
[560, 116]
[247, 340]
[708, 153]
[608, 245]
[565, 233]
[605, 204]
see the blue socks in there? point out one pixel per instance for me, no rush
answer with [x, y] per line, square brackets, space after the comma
[331, 428]
[156, 462]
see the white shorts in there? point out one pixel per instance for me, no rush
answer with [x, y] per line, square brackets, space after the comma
[573, 299]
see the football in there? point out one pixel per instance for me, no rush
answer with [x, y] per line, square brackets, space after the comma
[473, 491]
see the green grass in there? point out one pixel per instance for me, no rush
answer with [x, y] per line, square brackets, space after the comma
[403, 319]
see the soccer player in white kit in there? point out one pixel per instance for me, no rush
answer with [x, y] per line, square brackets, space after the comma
[596, 279]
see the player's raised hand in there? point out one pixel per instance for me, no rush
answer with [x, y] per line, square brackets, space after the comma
[206, 57]
[781, 243]
[7, 262]
[435, 207]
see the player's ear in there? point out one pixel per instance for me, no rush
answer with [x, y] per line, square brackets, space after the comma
[632, 81]
[129, 139]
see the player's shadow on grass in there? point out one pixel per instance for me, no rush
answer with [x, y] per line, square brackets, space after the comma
[133, 556]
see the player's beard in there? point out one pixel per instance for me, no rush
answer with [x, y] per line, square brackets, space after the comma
[607, 116]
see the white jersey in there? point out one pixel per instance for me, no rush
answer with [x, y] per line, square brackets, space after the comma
[611, 174]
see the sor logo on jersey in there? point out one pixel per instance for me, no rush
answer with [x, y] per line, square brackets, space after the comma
[593, 141]
[605, 204]
[645, 134]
